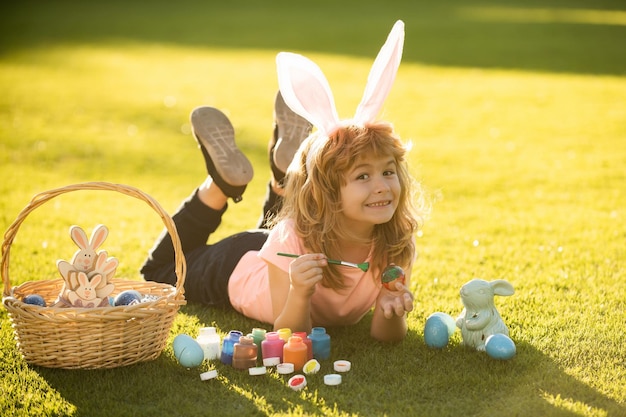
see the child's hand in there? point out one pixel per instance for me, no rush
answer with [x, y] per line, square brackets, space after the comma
[395, 303]
[305, 272]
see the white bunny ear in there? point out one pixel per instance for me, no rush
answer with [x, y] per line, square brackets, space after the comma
[306, 91]
[381, 76]
[502, 287]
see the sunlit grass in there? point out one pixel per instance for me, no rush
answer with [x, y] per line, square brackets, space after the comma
[525, 170]
[546, 15]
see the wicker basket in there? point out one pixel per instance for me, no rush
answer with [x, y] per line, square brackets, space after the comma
[91, 338]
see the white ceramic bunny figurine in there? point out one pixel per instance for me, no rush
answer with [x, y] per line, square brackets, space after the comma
[480, 319]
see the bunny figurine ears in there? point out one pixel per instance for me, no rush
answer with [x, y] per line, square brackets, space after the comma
[307, 92]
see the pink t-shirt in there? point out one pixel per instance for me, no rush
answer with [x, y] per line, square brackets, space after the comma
[249, 289]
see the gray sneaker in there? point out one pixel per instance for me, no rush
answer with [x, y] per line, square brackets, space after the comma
[226, 164]
[289, 132]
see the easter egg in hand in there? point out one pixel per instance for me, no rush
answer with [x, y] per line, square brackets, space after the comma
[391, 275]
[188, 352]
[34, 299]
[128, 297]
[436, 333]
[500, 346]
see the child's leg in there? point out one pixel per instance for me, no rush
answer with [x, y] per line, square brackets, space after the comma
[290, 130]
[200, 215]
[209, 267]
[195, 221]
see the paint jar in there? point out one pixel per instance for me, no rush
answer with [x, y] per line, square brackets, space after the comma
[228, 346]
[284, 334]
[272, 346]
[295, 351]
[244, 353]
[258, 335]
[209, 341]
[308, 342]
[321, 343]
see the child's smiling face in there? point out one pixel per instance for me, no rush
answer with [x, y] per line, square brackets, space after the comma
[371, 192]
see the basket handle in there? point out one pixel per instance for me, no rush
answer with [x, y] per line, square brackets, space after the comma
[41, 198]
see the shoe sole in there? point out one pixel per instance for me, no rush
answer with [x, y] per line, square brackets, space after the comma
[292, 131]
[216, 134]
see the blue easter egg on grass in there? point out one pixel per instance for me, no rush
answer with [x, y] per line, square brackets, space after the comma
[448, 320]
[436, 333]
[128, 297]
[188, 352]
[34, 299]
[500, 346]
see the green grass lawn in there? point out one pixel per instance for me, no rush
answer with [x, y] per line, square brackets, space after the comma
[517, 115]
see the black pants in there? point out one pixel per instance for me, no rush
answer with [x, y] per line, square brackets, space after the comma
[208, 266]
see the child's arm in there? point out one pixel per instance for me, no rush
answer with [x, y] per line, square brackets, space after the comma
[389, 320]
[291, 292]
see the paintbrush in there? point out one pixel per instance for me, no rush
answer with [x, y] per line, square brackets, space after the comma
[363, 266]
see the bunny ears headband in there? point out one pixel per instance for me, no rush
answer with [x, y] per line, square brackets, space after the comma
[307, 92]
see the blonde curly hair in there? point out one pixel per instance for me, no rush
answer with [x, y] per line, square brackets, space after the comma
[313, 197]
